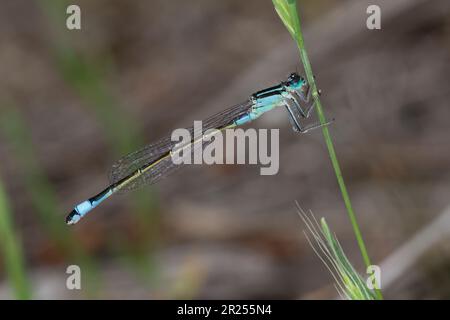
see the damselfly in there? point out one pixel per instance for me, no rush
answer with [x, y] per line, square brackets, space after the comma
[153, 162]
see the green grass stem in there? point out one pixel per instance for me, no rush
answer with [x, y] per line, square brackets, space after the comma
[42, 194]
[348, 283]
[12, 250]
[84, 74]
[287, 11]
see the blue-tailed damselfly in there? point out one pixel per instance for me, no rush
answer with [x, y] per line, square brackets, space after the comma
[154, 161]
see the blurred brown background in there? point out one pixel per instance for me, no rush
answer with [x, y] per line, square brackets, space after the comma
[73, 102]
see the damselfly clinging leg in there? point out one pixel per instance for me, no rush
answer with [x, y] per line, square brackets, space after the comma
[153, 162]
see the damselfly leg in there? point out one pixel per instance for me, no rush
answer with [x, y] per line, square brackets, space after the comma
[299, 105]
[303, 101]
[316, 125]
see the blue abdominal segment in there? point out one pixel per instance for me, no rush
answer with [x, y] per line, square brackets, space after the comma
[84, 207]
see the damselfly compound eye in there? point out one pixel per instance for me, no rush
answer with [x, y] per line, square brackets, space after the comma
[294, 78]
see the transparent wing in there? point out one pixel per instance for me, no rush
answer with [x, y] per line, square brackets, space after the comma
[158, 153]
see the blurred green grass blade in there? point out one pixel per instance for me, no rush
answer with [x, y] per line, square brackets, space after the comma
[85, 76]
[122, 131]
[12, 250]
[42, 194]
[355, 285]
[287, 11]
[39, 188]
[325, 244]
[284, 10]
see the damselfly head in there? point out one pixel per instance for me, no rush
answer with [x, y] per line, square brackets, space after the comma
[295, 81]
